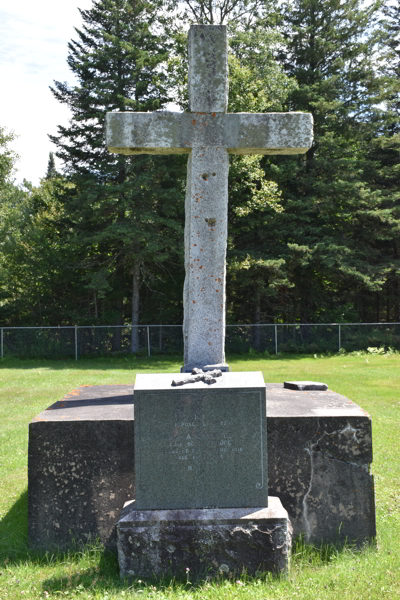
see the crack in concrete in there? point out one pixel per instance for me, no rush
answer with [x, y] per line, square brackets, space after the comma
[311, 449]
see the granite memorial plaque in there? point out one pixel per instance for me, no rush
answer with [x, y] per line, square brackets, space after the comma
[200, 446]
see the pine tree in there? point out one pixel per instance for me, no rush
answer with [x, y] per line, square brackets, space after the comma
[127, 212]
[325, 228]
[256, 272]
[383, 166]
[51, 171]
[8, 157]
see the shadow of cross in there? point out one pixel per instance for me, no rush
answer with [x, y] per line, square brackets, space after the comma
[208, 134]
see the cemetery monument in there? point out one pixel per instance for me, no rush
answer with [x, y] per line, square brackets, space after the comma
[200, 450]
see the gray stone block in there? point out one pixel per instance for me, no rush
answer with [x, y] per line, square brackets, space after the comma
[207, 541]
[200, 446]
[322, 475]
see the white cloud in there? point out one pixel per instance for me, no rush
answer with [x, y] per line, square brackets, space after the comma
[33, 53]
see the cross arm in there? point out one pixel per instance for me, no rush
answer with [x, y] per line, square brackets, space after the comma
[240, 133]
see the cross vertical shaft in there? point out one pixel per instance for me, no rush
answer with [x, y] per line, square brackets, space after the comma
[206, 203]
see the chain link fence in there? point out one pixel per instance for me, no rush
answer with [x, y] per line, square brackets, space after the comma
[78, 341]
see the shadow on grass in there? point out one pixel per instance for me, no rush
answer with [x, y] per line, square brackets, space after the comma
[96, 569]
[105, 578]
[306, 554]
[14, 531]
[153, 364]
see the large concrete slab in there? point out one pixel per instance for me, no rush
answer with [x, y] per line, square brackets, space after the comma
[208, 542]
[80, 468]
[199, 445]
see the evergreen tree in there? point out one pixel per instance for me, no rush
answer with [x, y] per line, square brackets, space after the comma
[8, 157]
[126, 212]
[325, 225]
[51, 171]
[383, 167]
[256, 271]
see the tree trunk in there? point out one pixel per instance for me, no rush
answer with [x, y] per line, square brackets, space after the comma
[396, 287]
[160, 338]
[378, 307]
[135, 305]
[117, 331]
[256, 334]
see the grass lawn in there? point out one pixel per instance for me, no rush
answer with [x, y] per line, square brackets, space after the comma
[29, 386]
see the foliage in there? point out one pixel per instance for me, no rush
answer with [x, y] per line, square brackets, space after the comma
[126, 212]
[218, 12]
[51, 171]
[312, 238]
[8, 157]
[331, 213]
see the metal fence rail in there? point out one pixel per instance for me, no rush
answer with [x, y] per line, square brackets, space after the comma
[82, 340]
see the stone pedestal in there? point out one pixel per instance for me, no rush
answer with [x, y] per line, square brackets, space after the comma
[209, 542]
[81, 468]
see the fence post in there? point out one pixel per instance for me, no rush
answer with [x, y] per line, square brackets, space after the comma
[148, 341]
[76, 342]
[276, 339]
[340, 338]
[2, 343]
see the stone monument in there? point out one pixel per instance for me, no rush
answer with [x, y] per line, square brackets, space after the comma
[201, 448]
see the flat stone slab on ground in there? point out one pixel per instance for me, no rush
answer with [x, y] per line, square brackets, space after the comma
[207, 541]
[305, 385]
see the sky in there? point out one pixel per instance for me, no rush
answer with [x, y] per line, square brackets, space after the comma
[33, 53]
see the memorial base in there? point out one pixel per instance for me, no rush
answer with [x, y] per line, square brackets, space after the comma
[208, 542]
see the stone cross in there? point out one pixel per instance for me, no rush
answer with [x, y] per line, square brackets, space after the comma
[208, 134]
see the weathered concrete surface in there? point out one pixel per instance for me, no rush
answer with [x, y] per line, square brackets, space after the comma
[319, 453]
[207, 541]
[208, 68]
[206, 230]
[200, 446]
[80, 467]
[319, 450]
[239, 133]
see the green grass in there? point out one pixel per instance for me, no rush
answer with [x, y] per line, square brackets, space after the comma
[29, 386]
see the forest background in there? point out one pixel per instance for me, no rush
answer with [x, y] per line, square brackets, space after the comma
[312, 238]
